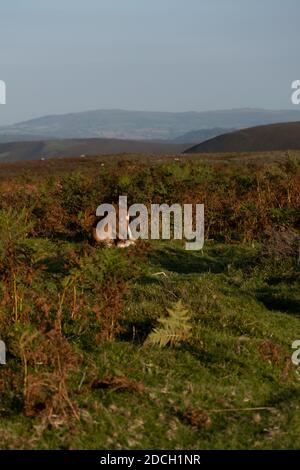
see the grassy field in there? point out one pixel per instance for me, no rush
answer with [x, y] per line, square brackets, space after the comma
[84, 369]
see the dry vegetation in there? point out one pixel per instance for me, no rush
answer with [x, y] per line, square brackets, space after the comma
[75, 316]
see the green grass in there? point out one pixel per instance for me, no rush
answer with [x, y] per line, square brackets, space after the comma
[206, 393]
[75, 317]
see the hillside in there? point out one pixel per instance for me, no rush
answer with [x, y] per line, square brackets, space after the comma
[17, 151]
[154, 346]
[120, 124]
[283, 136]
[201, 135]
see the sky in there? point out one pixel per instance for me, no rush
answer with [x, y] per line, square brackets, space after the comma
[60, 56]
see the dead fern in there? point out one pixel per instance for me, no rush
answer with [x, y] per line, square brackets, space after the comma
[173, 329]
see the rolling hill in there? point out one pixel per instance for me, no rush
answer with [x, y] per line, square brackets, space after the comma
[283, 136]
[141, 125]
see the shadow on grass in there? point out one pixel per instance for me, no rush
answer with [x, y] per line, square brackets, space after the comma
[53, 265]
[76, 236]
[283, 397]
[137, 331]
[273, 301]
[214, 261]
[149, 281]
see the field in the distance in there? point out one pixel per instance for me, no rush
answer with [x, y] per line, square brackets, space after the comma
[89, 163]
[45, 149]
[77, 319]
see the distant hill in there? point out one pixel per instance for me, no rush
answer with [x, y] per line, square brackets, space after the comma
[140, 125]
[201, 135]
[17, 151]
[283, 136]
[20, 138]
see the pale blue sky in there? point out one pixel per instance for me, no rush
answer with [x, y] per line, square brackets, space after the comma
[61, 56]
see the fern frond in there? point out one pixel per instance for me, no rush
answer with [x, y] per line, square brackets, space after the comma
[173, 329]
